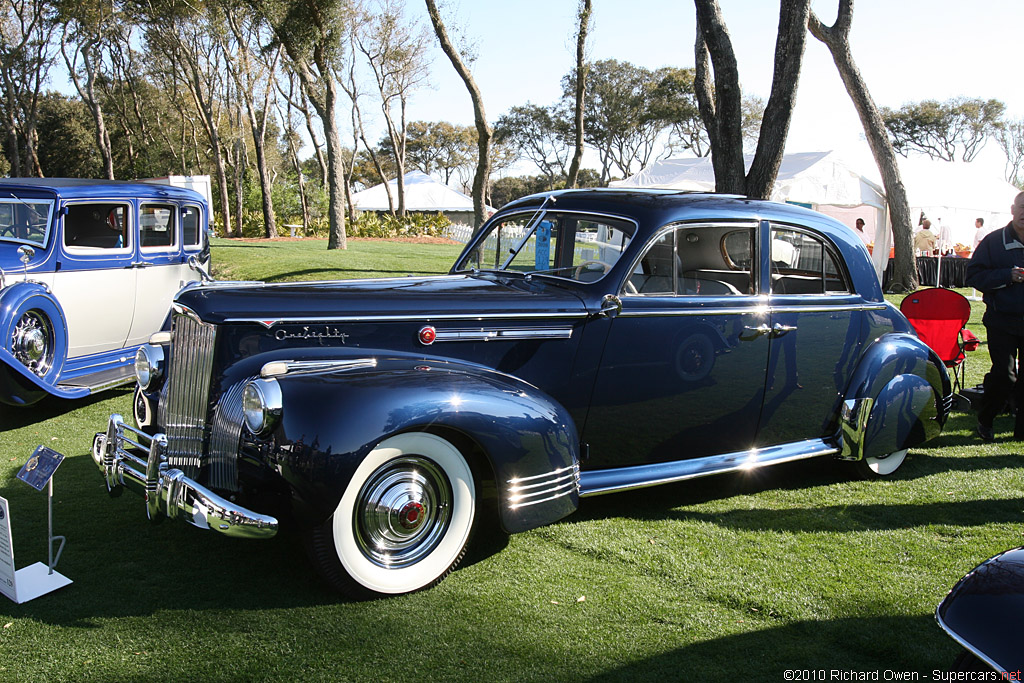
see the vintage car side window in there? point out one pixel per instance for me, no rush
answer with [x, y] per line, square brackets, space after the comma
[564, 244]
[190, 226]
[803, 264]
[96, 226]
[695, 260]
[157, 225]
[25, 220]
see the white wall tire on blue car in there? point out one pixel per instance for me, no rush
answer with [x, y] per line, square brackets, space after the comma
[883, 466]
[404, 520]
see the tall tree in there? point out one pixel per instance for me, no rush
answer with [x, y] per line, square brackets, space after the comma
[721, 103]
[1011, 140]
[484, 133]
[540, 134]
[944, 130]
[312, 33]
[837, 39]
[395, 51]
[26, 54]
[583, 13]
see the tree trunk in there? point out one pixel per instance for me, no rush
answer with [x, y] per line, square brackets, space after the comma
[837, 39]
[326, 109]
[484, 131]
[586, 7]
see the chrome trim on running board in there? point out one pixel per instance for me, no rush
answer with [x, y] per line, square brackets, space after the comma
[597, 482]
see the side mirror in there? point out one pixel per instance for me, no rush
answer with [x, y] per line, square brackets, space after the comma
[193, 263]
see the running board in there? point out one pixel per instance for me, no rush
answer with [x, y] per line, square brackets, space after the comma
[597, 482]
[102, 380]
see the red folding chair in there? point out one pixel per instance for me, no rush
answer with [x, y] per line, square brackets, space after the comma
[940, 317]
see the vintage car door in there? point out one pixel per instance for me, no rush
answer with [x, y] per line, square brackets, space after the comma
[816, 335]
[160, 265]
[95, 278]
[682, 374]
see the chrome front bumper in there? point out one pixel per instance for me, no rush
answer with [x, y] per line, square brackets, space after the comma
[168, 492]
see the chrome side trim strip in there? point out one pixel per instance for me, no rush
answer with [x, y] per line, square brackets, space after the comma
[419, 317]
[501, 333]
[296, 367]
[540, 488]
[759, 309]
[597, 482]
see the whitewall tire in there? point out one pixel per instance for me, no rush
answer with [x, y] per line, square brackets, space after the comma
[881, 466]
[403, 522]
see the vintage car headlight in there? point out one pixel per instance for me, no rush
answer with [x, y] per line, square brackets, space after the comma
[149, 365]
[261, 404]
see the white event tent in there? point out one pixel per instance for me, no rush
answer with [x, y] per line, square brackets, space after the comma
[422, 194]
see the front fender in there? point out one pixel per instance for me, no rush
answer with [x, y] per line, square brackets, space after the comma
[898, 398]
[331, 420]
[18, 385]
[982, 611]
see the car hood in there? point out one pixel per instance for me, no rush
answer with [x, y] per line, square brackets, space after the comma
[444, 297]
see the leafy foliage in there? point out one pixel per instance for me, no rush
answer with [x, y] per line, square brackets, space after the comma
[944, 130]
[385, 225]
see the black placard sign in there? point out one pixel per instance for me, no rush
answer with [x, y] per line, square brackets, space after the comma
[39, 469]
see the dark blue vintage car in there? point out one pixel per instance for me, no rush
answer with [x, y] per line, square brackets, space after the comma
[88, 269]
[585, 342]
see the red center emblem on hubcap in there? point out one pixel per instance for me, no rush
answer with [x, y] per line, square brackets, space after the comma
[411, 515]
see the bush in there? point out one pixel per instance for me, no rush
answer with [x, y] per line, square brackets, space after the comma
[384, 225]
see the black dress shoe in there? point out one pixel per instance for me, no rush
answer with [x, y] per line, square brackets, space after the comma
[985, 433]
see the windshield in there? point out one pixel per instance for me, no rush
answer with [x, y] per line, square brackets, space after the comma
[571, 245]
[25, 221]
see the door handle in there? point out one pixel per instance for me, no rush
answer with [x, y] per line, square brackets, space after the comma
[752, 333]
[778, 329]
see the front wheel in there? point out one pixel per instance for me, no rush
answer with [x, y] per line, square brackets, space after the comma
[403, 522]
[881, 466]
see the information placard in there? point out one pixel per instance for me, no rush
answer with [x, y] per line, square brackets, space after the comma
[7, 572]
[40, 467]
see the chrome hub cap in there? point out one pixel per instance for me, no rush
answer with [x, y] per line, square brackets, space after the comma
[402, 512]
[32, 343]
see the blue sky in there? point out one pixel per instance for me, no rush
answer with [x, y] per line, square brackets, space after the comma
[907, 50]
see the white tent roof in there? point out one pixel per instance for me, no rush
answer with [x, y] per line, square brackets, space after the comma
[816, 178]
[422, 193]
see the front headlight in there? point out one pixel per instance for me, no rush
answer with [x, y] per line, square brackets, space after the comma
[149, 365]
[261, 404]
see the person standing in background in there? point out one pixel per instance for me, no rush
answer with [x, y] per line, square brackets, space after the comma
[924, 240]
[997, 270]
[979, 233]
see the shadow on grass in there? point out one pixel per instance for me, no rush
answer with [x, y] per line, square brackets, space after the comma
[50, 407]
[896, 645]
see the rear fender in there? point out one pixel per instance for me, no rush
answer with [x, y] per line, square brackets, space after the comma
[331, 420]
[898, 398]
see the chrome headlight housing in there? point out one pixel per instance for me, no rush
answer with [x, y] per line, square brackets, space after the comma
[149, 365]
[261, 404]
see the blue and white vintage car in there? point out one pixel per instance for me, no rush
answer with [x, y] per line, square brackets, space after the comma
[88, 269]
[586, 342]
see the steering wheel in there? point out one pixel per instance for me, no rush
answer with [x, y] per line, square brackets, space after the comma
[605, 267]
[9, 231]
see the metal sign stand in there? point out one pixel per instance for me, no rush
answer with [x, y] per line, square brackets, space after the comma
[38, 579]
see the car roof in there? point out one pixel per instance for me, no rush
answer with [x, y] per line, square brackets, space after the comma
[657, 206]
[82, 188]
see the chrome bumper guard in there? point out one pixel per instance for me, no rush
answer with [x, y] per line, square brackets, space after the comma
[168, 492]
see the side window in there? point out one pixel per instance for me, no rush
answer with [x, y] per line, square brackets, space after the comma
[803, 264]
[157, 225]
[696, 260]
[190, 216]
[96, 226]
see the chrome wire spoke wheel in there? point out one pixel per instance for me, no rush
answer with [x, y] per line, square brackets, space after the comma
[32, 342]
[402, 512]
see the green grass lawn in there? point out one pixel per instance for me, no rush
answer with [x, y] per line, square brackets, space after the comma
[742, 576]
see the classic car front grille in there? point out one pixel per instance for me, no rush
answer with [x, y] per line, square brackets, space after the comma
[188, 391]
[225, 432]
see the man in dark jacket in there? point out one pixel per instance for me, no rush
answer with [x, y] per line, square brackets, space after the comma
[997, 269]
